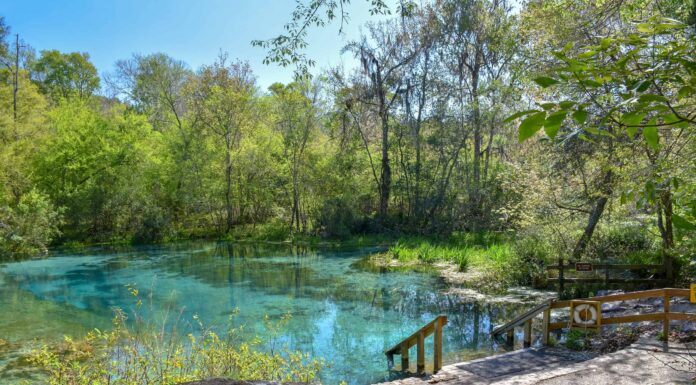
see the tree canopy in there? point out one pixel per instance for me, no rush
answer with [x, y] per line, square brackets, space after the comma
[462, 116]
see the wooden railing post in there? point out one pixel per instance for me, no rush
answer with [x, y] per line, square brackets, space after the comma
[404, 357]
[420, 365]
[528, 333]
[668, 267]
[560, 277]
[510, 340]
[418, 338]
[665, 323]
[545, 328]
[437, 365]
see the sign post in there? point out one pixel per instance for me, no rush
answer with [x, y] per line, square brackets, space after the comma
[583, 266]
[692, 296]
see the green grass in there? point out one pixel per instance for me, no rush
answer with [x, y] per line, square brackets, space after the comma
[479, 250]
[498, 260]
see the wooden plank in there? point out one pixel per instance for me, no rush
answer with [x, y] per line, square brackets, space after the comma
[682, 316]
[413, 338]
[632, 318]
[678, 292]
[528, 333]
[545, 330]
[606, 266]
[610, 280]
[559, 304]
[561, 275]
[437, 364]
[404, 358]
[557, 325]
[420, 363]
[654, 293]
[510, 339]
[524, 317]
[665, 321]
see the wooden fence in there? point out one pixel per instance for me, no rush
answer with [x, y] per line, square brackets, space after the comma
[664, 269]
[664, 316]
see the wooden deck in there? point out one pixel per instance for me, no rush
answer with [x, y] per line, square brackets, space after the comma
[642, 363]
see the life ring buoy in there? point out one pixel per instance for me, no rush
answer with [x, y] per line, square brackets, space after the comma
[577, 315]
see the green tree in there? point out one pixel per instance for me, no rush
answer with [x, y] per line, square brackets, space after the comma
[625, 86]
[297, 120]
[224, 104]
[65, 75]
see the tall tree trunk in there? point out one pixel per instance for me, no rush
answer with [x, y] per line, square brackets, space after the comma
[228, 191]
[15, 87]
[295, 221]
[475, 197]
[595, 215]
[385, 179]
[419, 118]
[664, 219]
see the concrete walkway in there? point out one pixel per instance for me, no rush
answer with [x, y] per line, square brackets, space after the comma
[644, 362]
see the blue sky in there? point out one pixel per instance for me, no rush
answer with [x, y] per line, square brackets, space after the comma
[192, 31]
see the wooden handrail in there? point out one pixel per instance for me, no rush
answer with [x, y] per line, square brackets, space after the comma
[654, 293]
[418, 338]
[519, 320]
[665, 315]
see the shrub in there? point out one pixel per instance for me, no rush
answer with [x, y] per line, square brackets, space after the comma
[577, 339]
[152, 226]
[141, 352]
[27, 228]
[338, 219]
[621, 240]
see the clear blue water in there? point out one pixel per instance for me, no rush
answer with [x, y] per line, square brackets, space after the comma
[341, 310]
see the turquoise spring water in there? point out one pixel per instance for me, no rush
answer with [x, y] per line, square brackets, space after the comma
[341, 310]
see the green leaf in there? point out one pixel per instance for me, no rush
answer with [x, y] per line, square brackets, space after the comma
[553, 123]
[633, 118]
[566, 104]
[652, 98]
[645, 28]
[592, 130]
[643, 86]
[580, 116]
[531, 125]
[591, 83]
[519, 114]
[545, 81]
[631, 131]
[685, 92]
[651, 137]
[587, 54]
[682, 223]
